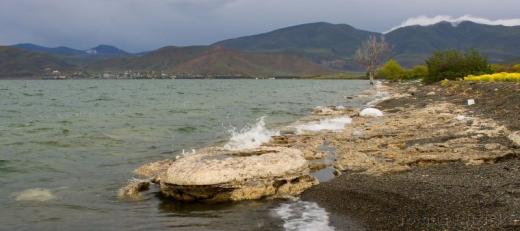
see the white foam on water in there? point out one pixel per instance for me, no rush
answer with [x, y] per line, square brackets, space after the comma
[35, 194]
[330, 124]
[303, 216]
[250, 137]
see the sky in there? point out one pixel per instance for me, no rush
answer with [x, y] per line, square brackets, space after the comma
[141, 25]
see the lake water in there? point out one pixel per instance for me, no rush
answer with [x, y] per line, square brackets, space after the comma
[66, 147]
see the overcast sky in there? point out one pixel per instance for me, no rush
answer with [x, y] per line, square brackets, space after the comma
[138, 25]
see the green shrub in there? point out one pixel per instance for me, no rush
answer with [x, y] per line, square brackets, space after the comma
[453, 64]
[516, 68]
[391, 70]
[498, 68]
[417, 72]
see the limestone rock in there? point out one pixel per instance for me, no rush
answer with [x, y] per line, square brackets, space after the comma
[221, 175]
[515, 138]
[153, 170]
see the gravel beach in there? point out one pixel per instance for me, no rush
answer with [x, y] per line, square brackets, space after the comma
[442, 192]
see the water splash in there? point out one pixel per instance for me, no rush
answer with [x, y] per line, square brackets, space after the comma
[331, 124]
[250, 137]
[303, 215]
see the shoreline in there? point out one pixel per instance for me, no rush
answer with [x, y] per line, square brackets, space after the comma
[430, 163]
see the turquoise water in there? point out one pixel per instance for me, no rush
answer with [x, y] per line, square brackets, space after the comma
[79, 140]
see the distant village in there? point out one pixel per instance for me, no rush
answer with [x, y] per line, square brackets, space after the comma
[53, 74]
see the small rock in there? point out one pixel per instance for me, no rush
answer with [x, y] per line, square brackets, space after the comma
[412, 90]
[430, 93]
[371, 112]
[515, 138]
[493, 146]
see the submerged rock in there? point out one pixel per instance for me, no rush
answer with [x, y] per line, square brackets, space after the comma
[35, 194]
[220, 175]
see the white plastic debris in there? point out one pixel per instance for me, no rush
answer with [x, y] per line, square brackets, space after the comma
[471, 102]
[371, 112]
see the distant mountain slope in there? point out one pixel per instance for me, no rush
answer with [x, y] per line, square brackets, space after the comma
[160, 60]
[98, 51]
[334, 44]
[214, 60]
[414, 43]
[15, 62]
[49, 50]
[318, 41]
[222, 61]
[106, 50]
[289, 51]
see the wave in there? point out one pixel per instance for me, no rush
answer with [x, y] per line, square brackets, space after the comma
[250, 137]
[303, 215]
[331, 124]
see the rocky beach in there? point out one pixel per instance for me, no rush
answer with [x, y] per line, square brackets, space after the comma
[417, 157]
[432, 162]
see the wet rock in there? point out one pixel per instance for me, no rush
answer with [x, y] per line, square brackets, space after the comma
[133, 189]
[220, 175]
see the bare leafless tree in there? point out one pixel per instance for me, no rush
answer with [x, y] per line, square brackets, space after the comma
[372, 53]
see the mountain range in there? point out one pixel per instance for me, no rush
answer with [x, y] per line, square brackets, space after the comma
[303, 50]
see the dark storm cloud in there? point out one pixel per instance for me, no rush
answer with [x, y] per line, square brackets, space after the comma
[147, 24]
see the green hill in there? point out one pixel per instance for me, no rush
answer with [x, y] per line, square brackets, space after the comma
[411, 45]
[334, 45]
[330, 44]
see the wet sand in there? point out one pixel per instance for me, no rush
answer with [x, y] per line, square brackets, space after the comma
[450, 193]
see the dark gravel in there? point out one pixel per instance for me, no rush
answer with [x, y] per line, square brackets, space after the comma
[449, 196]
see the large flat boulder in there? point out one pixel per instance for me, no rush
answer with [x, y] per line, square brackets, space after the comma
[221, 175]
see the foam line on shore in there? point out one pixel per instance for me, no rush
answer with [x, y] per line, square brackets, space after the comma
[329, 124]
[303, 216]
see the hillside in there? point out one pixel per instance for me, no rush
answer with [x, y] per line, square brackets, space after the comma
[334, 44]
[298, 50]
[159, 60]
[414, 43]
[216, 60]
[101, 51]
[320, 42]
[16, 62]
[222, 61]
[106, 50]
[66, 51]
